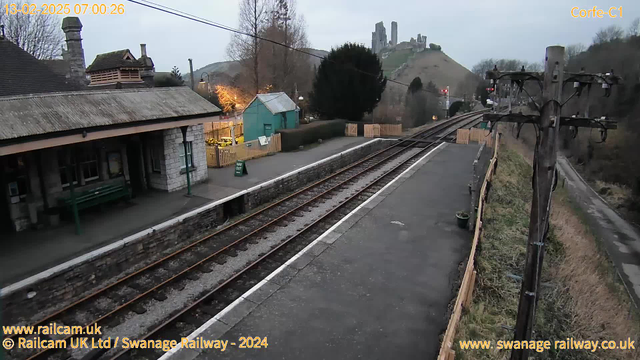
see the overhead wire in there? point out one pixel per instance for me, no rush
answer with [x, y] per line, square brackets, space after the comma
[185, 15]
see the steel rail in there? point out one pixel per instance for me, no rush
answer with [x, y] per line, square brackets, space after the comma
[429, 131]
[288, 241]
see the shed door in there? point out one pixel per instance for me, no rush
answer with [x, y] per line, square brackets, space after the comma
[268, 129]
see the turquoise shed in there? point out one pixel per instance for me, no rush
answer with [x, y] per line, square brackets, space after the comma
[267, 113]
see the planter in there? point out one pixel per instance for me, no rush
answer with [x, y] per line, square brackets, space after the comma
[463, 219]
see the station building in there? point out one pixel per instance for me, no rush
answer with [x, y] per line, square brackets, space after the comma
[267, 113]
[59, 135]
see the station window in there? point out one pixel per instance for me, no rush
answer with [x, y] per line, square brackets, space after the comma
[156, 159]
[189, 155]
[62, 167]
[89, 164]
[16, 172]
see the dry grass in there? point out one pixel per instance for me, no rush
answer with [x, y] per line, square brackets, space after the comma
[615, 194]
[581, 296]
[600, 306]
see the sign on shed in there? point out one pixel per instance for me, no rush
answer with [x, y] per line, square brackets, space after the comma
[241, 168]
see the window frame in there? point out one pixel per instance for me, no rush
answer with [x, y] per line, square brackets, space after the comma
[17, 178]
[74, 168]
[181, 155]
[93, 158]
[155, 154]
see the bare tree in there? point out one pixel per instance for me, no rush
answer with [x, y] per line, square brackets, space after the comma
[634, 28]
[572, 51]
[246, 49]
[534, 66]
[287, 67]
[484, 65]
[38, 34]
[611, 33]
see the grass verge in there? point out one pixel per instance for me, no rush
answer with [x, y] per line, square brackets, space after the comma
[581, 297]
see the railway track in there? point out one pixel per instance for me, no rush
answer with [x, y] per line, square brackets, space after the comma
[177, 275]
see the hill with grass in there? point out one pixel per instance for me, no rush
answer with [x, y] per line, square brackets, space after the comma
[429, 65]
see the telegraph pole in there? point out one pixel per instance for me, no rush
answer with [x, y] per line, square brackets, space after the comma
[548, 124]
[544, 175]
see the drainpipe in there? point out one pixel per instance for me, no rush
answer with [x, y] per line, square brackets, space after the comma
[186, 157]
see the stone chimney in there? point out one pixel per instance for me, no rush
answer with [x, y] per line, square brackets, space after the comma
[148, 72]
[74, 54]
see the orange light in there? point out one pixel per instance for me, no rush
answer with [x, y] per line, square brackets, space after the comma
[231, 97]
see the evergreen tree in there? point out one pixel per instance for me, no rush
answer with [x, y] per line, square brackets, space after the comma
[174, 79]
[349, 83]
[175, 74]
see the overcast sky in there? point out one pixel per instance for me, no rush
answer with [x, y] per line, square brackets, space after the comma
[467, 30]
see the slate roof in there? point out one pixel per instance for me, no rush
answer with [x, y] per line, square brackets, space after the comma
[21, 73]
[277, 102]
[29, 115]
[113, 60]
[58, 66]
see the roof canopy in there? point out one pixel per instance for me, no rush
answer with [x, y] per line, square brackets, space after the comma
[114, 60]
[29, 115]
[277, 102]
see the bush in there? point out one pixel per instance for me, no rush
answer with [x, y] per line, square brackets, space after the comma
[348, 84]
[310, 133]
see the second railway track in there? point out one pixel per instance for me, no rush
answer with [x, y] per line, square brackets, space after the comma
[194, 283]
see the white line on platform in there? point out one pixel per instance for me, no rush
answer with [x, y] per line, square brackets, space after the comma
[244, 296]
[132, 238]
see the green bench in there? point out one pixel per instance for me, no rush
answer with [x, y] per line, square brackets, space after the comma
[97, 196]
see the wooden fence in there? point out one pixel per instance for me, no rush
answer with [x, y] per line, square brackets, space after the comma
[225, 156]
[465, 293]
[377, 130]
[220, 129]
[465, 136]
[374, 130]
[371, 130]
[390, 129]
[351, 130]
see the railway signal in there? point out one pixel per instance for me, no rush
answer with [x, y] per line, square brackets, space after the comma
[545, 175]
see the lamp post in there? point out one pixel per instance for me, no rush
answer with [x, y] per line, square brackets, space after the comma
[300, 99]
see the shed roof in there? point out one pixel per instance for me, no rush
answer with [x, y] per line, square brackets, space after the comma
[29, 115]
[277, 102]
[114, 60]
[21, 73]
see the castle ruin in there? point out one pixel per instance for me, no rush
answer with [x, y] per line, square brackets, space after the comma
[379, 40]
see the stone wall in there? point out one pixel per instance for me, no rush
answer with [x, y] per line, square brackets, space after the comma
[174, 171]
[100, 268]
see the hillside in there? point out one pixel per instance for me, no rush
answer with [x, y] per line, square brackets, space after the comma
[429, 65]
[225, 71]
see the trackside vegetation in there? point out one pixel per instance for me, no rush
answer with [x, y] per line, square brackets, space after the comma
[581, 296]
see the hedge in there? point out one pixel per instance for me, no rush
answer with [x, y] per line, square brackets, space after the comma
[292, 139]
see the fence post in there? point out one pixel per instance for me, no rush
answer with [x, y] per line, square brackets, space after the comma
[217, 155]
